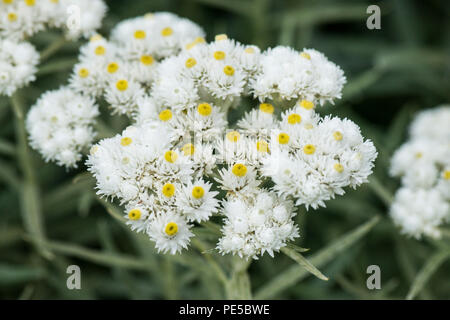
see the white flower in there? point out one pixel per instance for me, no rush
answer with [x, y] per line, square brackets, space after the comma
[196, 201]
[83, 17]
[60, 126]
[18, 61]
[314, 163]
[432, 124]
[170, 232]
[257, 225]
[419, 212]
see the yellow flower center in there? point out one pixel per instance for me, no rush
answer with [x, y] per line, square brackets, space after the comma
[126, 141]
[30, 3]
[198, 192]
[100, 50]
[338, 167]
[419, 155]
[139, 34]
[309, 149]
[447, 174]
[168, 190]
[112, 67]
[262, 146]
[294, 118]
[337, 135]
[204, 109]
[307, 104]
[233, 136]
[122, 85]
[83, 72]
[266, 107]
[309, 126]
[190, 62]
[239, 170]
[165, 115]
[93, 150]
[305, 55]
[171, 229]
[96, 38]
[283, 138]
[166, 32]
[147, 60]
[12, 16]
[149, 15]
[199, 40]
[188, 149]
[219, 55]
[228, 70]
[249, 50]
[8, 1]
[171, 156]
[221, 37]
[134, 214]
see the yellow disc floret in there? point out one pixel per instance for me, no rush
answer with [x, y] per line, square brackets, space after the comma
[147, 60]
[139, 34]
[112, 67]
[8, 1]
[221, 37]
[83, 72]
[171, 229]
[168, 190]
[166, 32]
[122, 85]
[447, 174]
[219, 55]
[30, 3]
[165, 115]
[307, 104]
[198, 192]
[100, 50]
[12, 16]
[309, 149]
[262, 146]
[337, 135]
[204, 109]
[233, 136]
[294, 118]
[228, 70]
[126, 141]
[188, 149]
[171, 156]
[96, 37]
[305, 55]
[266, 107]
[134, 214]
[190, 62]
[283, 138]
[239, 170]
[338, 167]
[249, 50]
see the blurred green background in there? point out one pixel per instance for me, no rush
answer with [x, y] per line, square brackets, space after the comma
[51, 218]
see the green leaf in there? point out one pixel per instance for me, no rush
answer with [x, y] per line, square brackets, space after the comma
[19, 274]
[294, 274]
[425, 274]
[303, 262]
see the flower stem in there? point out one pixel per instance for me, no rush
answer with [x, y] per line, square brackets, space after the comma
[239, 287]
[380, 191]
[30, 198]
[52, 48]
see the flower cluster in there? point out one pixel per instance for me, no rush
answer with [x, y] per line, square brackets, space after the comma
[120, 71]
[20, 19]
[421, 205]
[182, 138]
[60, 125]
[182, 160]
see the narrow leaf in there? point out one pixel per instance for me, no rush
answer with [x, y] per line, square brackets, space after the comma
[303, 262]
[425, 274]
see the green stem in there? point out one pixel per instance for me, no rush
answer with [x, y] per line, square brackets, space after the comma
[380, 190]
[30, 197]
[52, 48]
[213, 263]
[239, 287]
